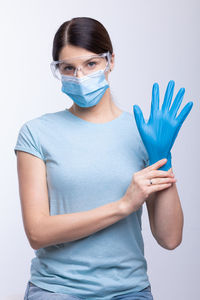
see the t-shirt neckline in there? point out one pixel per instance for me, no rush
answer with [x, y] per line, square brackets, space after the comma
[92, 123]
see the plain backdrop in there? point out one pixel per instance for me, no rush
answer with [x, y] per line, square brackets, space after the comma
[154, 41]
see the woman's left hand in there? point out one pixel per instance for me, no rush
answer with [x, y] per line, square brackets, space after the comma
[160, 132]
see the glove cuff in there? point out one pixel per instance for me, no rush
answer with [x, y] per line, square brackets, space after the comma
[168, 164]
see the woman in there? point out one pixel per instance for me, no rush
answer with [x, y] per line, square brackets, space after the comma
[84, 175]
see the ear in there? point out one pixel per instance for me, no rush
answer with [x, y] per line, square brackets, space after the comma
[112, 62]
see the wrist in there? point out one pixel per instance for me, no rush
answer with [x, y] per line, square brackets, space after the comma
[166, 166]
[123, 207]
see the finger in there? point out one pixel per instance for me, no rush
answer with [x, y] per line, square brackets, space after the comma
[185, 111]
[177, 102]
[168, 96]
[157, 181]
[158, 173]
[138, 117]
[159, 187]
[155, 166]
[171, 171]
[154, 100]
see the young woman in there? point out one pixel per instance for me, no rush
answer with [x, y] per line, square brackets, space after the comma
[84, 175]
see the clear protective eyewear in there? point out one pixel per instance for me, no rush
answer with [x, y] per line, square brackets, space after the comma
[92, 64]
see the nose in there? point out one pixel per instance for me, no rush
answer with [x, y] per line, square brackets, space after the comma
[78, 73]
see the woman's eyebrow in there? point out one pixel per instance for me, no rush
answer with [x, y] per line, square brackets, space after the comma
[90, 58]
[68, 63]
[71, 63]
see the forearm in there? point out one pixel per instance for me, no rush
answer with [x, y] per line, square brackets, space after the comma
[51, 230]
[168, 218]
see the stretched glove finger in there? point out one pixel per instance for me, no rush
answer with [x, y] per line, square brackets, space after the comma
[185, 111]
[177, 102]
[168, 96]
[154, 100]
[138, 117]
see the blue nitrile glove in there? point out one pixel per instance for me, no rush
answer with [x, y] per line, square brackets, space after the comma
[159, 133]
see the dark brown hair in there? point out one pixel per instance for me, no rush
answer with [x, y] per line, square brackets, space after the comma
[83, 32]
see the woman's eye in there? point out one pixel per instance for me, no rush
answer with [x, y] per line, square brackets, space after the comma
[68, 68]
[91, 64]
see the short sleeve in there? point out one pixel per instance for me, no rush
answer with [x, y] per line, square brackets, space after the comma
[27, 141]
[146, 163]
[145, 155]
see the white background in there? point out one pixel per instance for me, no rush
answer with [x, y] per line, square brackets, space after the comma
[153, 41]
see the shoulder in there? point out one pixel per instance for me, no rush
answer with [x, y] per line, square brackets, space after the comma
[130, 124]
[42, 121]
[137, 140]
[33, 132]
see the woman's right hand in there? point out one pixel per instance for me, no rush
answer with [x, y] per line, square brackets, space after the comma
[140, 187]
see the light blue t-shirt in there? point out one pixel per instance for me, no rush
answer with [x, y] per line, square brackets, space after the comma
[89, 165]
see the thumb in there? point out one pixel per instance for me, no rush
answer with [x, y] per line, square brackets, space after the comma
[138, 117]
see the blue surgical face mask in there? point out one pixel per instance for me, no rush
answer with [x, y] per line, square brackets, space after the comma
[86, 91]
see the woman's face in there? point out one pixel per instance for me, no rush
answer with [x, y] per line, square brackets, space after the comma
[70, 52]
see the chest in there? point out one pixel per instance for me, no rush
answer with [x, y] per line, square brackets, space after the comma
[88, 169]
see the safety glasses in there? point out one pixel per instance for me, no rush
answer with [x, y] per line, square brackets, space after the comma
[87, 64]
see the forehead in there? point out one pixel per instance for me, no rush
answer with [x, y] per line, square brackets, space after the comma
[69, 52]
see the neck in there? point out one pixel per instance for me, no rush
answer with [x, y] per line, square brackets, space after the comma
[104, 111]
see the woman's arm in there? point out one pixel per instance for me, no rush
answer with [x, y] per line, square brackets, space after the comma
[166, 217]
[57, 229]
[43, 230]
